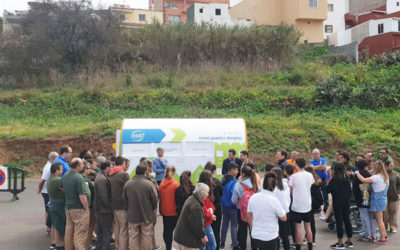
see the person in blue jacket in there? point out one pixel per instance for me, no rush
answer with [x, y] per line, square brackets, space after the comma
[159, 165]
[63, 158]
[229, 210]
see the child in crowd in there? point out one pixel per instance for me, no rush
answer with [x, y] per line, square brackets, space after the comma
[229, 213]
[390, 215]
[317, 200]
[282, 192]
[362, 195]
[380, 184]
[340, 188]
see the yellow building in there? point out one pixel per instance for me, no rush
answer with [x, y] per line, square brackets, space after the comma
[133, 18]
[307, 15]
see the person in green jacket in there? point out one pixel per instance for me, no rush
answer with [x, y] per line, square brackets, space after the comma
[89, 190]
[57, 206]
[190, 230]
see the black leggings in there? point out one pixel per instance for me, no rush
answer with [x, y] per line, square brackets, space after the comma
[216, 225]
[242, 234]
[312, 223]
[169, 226]
[342, 215]
[284, 234]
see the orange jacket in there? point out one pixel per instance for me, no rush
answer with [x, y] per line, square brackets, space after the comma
[167, 197]
[291, 162]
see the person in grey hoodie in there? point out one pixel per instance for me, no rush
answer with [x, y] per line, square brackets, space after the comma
[249, 184]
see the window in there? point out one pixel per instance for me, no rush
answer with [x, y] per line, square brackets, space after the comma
[398, 25]
[330, 7]
[174, 19]
[201, 10]
[142, 17]
[217, 12]
[380, 28]
[398, 4]
[122, 17]
[172, 5]
[328, 28]
[313, 3]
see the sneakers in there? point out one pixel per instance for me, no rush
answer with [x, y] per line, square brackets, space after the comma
[158, 247]
[293, 246]
[52, 246]
[337, 246]
[222, 247]
[323, 217]
[348, 244]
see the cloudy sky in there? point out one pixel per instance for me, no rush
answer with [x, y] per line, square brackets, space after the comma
[12, 5]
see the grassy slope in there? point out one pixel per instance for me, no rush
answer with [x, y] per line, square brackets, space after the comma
[282, 109]
[77, 113]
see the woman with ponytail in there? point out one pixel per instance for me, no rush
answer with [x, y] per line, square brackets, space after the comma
[183, 191]
[282, 193]
[380, 185]
[244, 189]
[167, 190]
[264, 211]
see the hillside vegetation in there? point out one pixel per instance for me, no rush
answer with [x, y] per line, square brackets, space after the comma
[310, 103]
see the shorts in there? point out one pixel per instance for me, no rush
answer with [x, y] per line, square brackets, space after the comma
[299, 217]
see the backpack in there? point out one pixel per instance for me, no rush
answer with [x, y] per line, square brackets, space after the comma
[244, 201]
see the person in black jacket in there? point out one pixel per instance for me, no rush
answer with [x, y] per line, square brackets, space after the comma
[231, 159]
[362, 193]
[340, 189]
[317, 199]
[217, 191]
[183, 191]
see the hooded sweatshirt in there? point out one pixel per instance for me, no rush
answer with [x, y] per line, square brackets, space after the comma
[167, 197]
[207, 214]
[228, 185]
[239, 190]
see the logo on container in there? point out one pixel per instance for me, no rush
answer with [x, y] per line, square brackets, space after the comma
[137, 136]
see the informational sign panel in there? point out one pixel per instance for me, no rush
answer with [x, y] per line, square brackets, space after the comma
[188, 143]
[3, 178]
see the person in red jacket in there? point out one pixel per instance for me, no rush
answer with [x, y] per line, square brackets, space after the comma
[167, 190]
[209, 210]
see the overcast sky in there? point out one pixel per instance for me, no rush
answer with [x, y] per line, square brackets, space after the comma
[12, 5]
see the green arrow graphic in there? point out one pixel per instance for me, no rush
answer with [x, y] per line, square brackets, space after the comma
[179, 135]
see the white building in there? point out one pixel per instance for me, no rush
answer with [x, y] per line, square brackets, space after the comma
[367, 29]
[392, 6]
[335, 21]
[12, 21]
[215, 14]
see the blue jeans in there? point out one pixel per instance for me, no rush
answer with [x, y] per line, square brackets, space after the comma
[229, 216]
[211, 244]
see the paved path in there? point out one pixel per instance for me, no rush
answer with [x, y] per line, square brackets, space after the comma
[22, 225]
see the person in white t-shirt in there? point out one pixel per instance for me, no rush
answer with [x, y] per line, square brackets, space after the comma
[263, 212]
[282, 193]
[380, 184]
[301, 183]
[42, 187]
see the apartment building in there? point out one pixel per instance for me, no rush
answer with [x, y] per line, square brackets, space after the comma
[175, 11]
[335, 22]
[216, 14]
[374, 30]
[307, 15]
[134, 18]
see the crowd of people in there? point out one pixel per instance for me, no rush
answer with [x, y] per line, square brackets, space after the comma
[91, 203]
